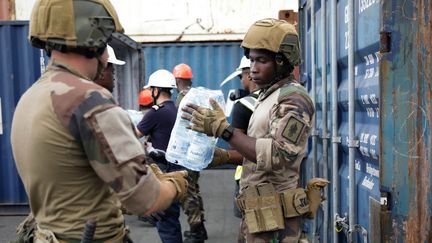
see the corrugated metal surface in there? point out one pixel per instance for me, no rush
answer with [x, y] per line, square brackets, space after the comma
[210, 62]
[406, 117]
[186, 20]
[129, 78]
[366, 109]
[20, 66]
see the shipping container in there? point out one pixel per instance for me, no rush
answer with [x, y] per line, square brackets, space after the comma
[20, 67]
[211, 62]
[367, 65]
[129, 78]
[186, 20]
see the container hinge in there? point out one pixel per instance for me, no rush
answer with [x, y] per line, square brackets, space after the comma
[315, 133]
[353, 143]
[362, 231]
[325, 136]
[342, 224]
[385, 42]
[336, 139]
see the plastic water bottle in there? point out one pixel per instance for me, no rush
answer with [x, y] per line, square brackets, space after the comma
[188, 148]
[136, 117]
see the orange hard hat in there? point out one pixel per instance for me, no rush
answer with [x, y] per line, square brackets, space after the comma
[145, 97]
[182, 71]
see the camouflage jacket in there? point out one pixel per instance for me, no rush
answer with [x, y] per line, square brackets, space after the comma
[78, 156]
[281, 123]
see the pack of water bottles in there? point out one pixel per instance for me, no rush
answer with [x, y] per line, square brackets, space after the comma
[188, 148]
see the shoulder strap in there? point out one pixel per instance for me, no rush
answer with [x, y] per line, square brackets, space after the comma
[249, 102]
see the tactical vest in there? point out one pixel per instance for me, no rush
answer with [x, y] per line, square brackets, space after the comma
[269, 196]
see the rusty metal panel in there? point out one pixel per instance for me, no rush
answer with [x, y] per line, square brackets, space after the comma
[406, 116]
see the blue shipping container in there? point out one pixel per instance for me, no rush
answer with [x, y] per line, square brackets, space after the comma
[372, 134]
[20, 66]
[211, 62]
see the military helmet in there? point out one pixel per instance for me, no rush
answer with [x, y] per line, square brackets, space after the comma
[276, 36]
[72, 24]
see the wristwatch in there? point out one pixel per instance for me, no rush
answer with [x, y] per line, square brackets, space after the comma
[227, 133]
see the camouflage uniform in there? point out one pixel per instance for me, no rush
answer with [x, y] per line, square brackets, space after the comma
[281, 124]
[79, 159]
[193, 205]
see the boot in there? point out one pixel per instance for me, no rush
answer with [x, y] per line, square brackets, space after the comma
[197, 235]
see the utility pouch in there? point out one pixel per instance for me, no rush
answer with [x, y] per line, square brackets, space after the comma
[295, 202]
[263, 209]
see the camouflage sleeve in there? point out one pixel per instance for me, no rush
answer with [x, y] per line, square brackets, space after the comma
[122, 162]
[109, 142]
[290, 125]
[107, 138]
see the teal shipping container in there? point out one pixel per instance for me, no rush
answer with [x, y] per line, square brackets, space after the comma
[367, 65]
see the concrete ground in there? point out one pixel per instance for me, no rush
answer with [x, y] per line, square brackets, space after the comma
[217, 188]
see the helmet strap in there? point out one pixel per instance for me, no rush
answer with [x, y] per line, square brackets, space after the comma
[100, 68]
[154, 96]
[283, 68]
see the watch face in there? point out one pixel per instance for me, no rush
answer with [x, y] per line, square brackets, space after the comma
[225, 134]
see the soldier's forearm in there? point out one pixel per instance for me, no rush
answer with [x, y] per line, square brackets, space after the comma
[165, 198]
[244, 144]
[235, 157]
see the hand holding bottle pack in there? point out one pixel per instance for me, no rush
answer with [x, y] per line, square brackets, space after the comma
[188, 148]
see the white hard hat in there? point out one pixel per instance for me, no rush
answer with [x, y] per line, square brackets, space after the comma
[244, 63]
[161, 78]
[112, 57]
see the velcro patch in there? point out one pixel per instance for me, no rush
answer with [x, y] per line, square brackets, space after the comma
[293, 130]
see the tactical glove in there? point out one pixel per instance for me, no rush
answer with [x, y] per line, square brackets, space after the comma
[208, 121]
[220, 157]
[178, 178]
[313, 192]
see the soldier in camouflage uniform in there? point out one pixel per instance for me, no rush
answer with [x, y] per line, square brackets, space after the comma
[193, 205]
[74, 147]
[276, 139]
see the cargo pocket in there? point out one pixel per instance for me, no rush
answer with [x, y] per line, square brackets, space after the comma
[274, 204]
[251, 220]
[268, 219]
